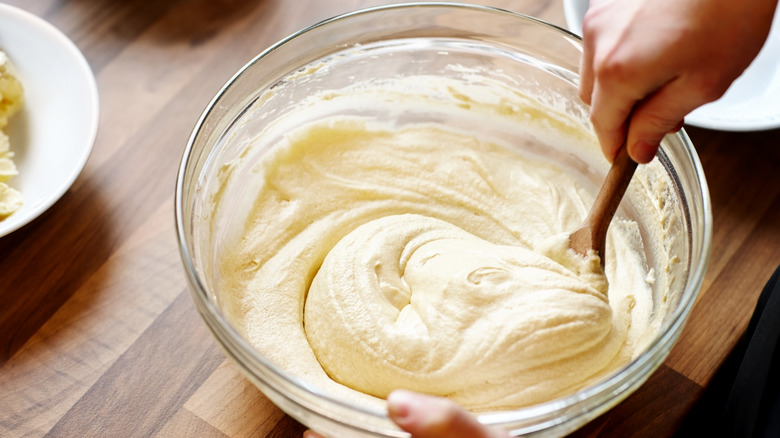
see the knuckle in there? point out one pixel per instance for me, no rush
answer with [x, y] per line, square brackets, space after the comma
[708, 89]
[604, 126]
[597, 122]
[613, 68]
[589, 26]
[592, 18]
[584, 96]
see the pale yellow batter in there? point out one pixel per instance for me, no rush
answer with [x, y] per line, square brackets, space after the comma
[377, 256]
[11, 100]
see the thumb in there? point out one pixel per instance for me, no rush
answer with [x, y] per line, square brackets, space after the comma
[434, 417]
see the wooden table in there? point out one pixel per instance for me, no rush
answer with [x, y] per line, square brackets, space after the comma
[98, 335]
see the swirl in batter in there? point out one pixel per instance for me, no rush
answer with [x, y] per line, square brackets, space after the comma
[377, 258]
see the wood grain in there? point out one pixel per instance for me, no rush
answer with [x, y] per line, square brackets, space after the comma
[98, 335]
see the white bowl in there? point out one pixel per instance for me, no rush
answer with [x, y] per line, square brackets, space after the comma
[53, 134]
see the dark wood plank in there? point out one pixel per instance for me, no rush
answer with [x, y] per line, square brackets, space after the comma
[719, 319]
[654, 412]
[287, 427]
[145, 388]
[741, 171]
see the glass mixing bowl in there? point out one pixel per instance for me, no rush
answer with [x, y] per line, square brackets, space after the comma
[459, 42]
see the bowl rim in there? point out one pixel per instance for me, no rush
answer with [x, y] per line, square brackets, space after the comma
[223, 330]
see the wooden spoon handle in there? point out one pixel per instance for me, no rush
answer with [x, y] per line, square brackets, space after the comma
[593, 233]
[611, 193]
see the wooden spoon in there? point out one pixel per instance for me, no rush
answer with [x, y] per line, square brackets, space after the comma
[592, 234]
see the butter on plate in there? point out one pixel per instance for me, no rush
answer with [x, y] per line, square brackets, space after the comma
[11, 100]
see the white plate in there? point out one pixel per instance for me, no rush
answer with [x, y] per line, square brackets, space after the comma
[53, 134]
[752, 102]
